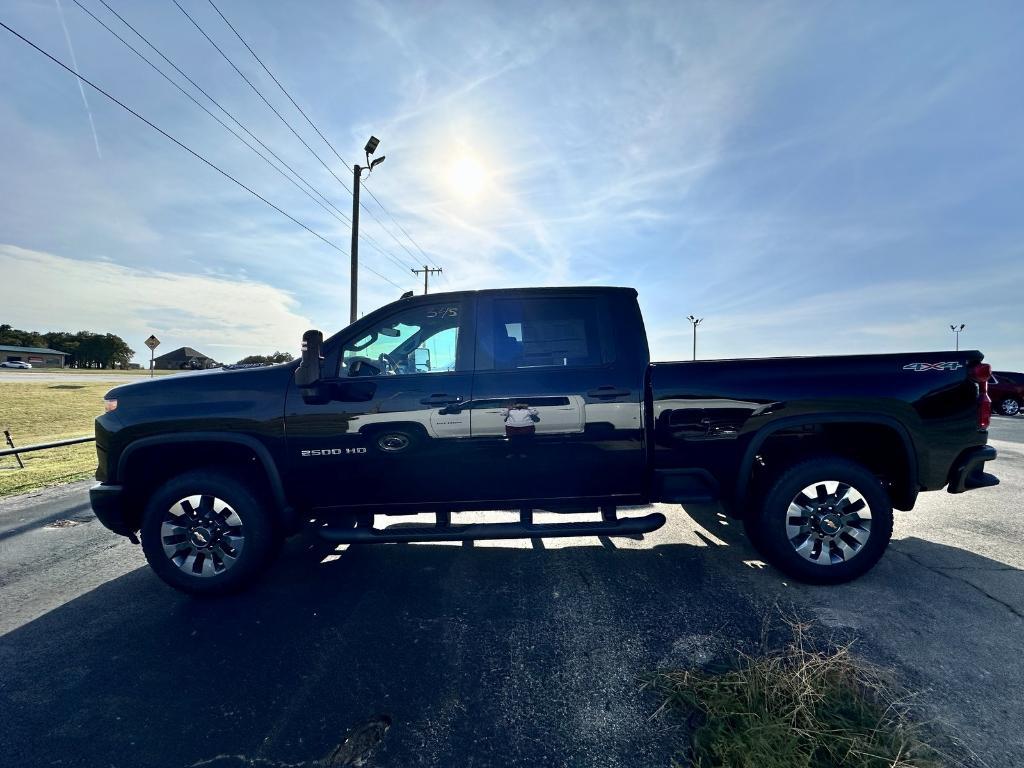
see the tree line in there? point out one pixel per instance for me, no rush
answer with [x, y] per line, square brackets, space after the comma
[85, 349]
[276, 357]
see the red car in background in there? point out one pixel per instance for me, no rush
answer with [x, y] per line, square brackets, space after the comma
[1007, 392]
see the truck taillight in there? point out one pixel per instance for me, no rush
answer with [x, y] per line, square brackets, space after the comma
[981, 373]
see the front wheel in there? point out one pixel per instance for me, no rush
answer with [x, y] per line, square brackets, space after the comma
[824, 521]
[206, 533]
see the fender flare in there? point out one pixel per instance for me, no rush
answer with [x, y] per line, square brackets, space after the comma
[259, 450]
[759, 438]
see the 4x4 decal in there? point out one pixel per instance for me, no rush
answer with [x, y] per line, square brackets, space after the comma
[951, 366]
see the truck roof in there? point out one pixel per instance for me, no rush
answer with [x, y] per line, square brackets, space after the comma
[540, 291]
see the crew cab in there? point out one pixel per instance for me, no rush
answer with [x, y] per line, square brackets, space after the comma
[407, 411]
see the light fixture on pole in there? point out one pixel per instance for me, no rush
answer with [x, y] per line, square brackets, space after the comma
[357, 174]
[958, 330]
[695, 321]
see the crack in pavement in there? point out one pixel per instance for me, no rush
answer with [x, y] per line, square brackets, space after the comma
[940, 572]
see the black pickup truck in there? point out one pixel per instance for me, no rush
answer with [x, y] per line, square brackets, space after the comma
[531, 398]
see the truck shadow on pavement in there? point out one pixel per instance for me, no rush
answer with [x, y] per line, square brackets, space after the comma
[446, 656]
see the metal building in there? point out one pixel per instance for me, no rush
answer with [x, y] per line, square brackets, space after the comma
[37, 357]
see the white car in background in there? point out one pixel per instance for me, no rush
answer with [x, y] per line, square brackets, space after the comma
[15, 364]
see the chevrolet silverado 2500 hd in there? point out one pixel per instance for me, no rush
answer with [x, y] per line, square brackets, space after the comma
[408, 410]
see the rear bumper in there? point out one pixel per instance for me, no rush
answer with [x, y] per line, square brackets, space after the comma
[968, 471]
[108, 503]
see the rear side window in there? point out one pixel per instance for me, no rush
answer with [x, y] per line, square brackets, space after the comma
[546, 333]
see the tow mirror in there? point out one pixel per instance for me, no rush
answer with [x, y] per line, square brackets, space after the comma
[422, 358]
[308, 372]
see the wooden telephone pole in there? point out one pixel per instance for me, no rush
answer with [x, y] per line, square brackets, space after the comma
[427, 272]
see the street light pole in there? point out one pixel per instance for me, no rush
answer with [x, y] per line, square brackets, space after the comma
[957, 331]
[695, 321]
[357, 175]
[354, 265]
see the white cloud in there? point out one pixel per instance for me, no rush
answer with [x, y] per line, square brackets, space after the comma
[222, 317]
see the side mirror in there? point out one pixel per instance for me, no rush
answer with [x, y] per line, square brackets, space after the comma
[421, 356]
[308, 372]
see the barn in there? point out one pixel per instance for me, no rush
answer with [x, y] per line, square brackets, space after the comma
[183, 358]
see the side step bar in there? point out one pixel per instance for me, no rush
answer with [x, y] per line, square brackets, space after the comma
[609, 525]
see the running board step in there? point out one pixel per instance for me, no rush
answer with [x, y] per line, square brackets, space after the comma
[628, 526]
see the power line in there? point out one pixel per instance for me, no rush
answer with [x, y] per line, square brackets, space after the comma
[219, 106]
[321, 135]
[327, 205]
[207, 111]
[397, 223]
[427, 271]
[278, 83]
[262, 97]
[182, 145]
[381, 223]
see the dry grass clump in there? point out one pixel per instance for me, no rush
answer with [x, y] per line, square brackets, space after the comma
[800, 707]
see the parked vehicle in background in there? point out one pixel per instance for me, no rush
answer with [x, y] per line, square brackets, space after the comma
[1007, 392]
[15, 364]
[405, 411]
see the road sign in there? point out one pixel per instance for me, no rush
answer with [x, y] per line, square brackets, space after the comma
[152, 342]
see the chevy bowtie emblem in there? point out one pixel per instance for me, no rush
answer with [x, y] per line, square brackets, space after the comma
[951, 366]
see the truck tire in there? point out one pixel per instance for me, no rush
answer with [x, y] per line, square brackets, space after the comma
[824, 521]
[205, 533]
[1009, 407]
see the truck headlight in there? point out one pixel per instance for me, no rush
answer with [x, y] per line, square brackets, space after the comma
[109, 405]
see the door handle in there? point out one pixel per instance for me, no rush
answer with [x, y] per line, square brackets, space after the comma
[441, 399]
[607, 392]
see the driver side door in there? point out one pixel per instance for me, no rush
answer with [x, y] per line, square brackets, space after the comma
[381, 430]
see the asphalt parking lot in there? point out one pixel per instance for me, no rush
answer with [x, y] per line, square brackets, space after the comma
[504, 653]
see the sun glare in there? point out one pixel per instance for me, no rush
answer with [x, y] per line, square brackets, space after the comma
[467, 177]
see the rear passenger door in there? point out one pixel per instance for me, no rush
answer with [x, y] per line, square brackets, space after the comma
[556, 355]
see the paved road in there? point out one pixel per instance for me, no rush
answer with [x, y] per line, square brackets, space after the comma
[497, 654]
[48, 377]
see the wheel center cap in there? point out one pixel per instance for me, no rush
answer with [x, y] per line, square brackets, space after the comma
[201, 537]
[830, 525]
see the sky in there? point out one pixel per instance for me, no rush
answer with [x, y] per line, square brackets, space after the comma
[810, 178]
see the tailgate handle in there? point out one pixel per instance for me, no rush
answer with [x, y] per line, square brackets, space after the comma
[603, 392]
[440, 399]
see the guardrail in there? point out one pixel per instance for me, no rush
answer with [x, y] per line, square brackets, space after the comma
[15, 450]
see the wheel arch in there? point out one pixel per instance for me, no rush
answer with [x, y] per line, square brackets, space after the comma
[150, 461]
[905, 488]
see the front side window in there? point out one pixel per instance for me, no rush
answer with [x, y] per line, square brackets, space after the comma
[420, 339]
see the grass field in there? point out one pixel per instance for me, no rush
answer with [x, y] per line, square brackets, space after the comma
[37, 412]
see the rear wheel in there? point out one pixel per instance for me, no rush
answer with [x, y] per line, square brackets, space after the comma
[824, 521]
[205, 533]
[1009, 407]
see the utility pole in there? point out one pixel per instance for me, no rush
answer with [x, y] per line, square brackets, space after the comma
[357, 175]
[427, 272]
[958, 330]
[696, 321]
